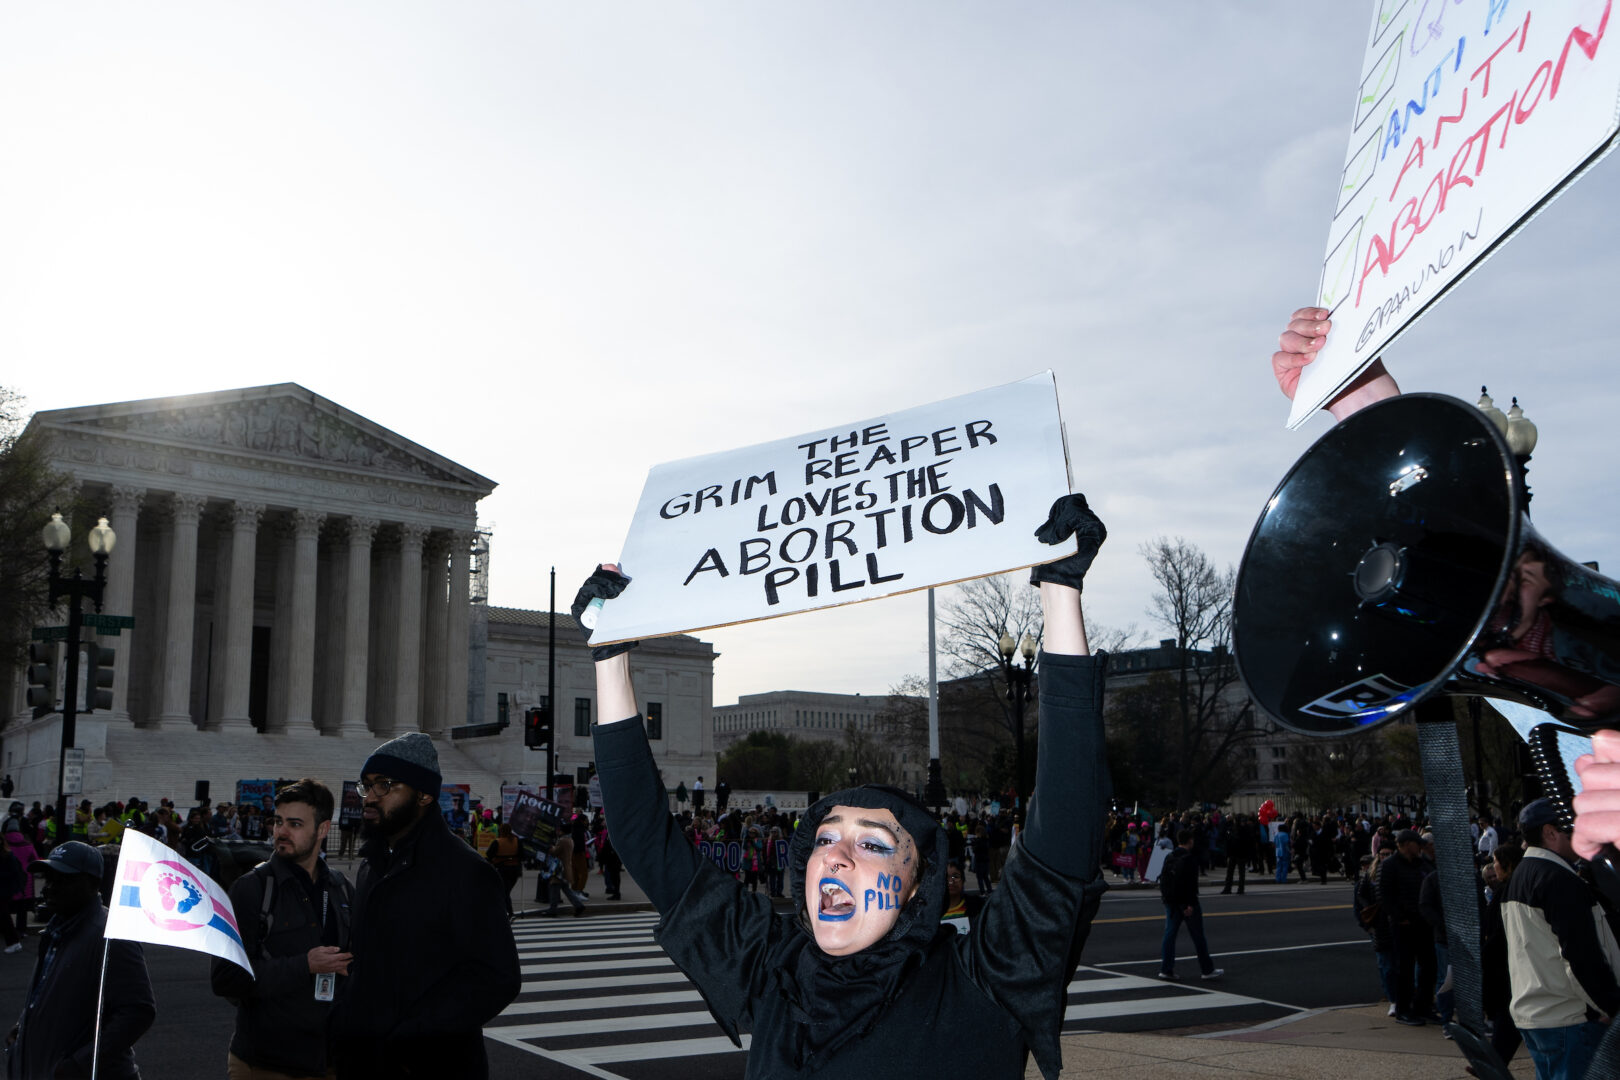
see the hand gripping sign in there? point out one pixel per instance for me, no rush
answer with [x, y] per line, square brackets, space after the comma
[918, 498]
[1470, 117]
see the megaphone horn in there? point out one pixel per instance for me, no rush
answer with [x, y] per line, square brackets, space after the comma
[1395, 561]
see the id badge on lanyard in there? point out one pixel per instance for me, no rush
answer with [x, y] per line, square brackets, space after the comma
[325, 981]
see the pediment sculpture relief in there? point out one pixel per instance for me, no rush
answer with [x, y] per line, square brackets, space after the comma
[283, 427]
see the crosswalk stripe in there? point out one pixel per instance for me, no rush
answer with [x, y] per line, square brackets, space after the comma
[541, 925]
[605, 965]
[604, 1055]
[606, 982]
[1123, 982]
[631, 934]
[1157, 1005]
[606, 1001]
[614, 1023]
[574, 954]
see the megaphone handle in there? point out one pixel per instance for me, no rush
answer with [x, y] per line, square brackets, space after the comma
[1549, 762]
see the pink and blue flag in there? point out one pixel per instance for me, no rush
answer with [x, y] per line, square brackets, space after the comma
[161, 898]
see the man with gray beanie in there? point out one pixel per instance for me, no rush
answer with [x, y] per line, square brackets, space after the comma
[434, 958]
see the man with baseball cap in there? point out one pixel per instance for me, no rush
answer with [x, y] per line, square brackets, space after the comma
[434, 957]
[1400, 885]
[1562, 956]
[56, 1033]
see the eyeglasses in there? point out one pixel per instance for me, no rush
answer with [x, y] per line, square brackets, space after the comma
[382, 786]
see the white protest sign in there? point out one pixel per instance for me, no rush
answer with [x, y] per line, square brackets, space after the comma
[924, 497]
[1471, 115]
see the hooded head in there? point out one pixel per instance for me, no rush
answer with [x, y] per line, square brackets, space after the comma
[867, 879]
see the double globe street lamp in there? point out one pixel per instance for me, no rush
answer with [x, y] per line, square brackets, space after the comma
[57, 536]
[1018, 680]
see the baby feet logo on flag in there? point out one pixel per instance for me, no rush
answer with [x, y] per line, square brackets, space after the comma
[163, 899]
[181, 902]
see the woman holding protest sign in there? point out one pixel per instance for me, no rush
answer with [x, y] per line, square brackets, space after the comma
[863, 976]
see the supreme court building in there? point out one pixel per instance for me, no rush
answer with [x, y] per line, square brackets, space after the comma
[301, 581]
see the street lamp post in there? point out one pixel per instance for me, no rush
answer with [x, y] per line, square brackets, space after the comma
[1018, 679]
[57, 536]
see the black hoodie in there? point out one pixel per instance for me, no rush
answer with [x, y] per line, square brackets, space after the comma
[925, 999]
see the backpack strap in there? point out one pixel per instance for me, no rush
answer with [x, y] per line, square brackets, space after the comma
[267, 898]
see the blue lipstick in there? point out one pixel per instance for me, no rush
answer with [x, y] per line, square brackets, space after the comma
[824, 916]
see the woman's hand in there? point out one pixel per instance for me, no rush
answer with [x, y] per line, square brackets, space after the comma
[1298, 345]
[615, 695]
[604, 584]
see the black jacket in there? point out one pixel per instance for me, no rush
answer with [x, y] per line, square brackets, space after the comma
[434, 959]
[972, 1005]
[58, 1032]
[1178, 879]
[1433, 907]
[1365, 897]
[279, 1024]
[1400, 888]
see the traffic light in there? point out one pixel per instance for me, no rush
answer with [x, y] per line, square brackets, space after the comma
[42, 679]
[537, 727]
[98, 678]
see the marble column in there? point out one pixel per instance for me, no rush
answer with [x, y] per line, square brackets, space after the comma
[237, 652]
[381, 683]
[182, 609]
[301, 645]
[456, 637]
[119, 598]
[281, 629]
[407, 712]
[357, 626]
[214, 699]
[437, 552]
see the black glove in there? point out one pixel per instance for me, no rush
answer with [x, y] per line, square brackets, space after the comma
[604, 584]
[1070, 516]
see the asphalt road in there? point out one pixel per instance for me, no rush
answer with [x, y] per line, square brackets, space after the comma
[601, 1000]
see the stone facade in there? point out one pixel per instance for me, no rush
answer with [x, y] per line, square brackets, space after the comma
[673, 678]
[296, 572]
[821, 717]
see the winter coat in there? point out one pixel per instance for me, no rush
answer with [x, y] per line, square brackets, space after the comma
[279, 1024]
[434, 959]
[58, 1032]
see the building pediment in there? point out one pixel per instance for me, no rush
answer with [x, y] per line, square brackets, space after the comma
[283, 421]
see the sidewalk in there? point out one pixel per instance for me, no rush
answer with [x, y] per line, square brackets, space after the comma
[1327, 1045]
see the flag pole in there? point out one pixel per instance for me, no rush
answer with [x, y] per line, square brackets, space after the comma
[101, 997]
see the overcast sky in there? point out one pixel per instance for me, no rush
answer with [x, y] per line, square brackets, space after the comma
[560, 243]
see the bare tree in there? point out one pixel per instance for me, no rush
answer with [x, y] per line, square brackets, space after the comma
[978, 715]
[1212, 716]
[29, 491]
[1326, 774]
